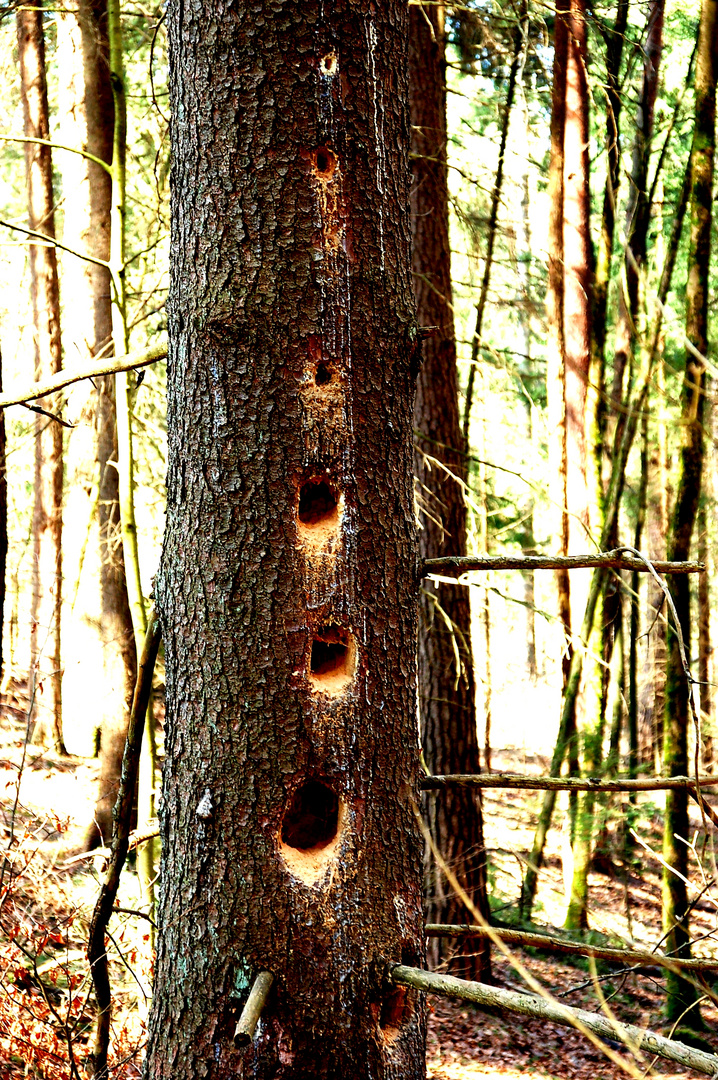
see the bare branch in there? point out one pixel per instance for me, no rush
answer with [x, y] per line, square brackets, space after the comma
[539, 1009]
[95, 368]
[615, 558]
[564, 783]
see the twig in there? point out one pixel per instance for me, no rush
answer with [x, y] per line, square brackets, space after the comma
[615, 558]
[96, 952]
[252, 1010]
[139, 836]
[67, 377]
[49, 415]
[540, 1009]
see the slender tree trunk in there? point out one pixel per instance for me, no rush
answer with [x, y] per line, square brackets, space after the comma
[638, 213]
[525, 305]
[492, 228]
[124, 397]
[447, 693]
[578, 284]
[102, 598]
[635, 609]
[3, 529]
[680, 993]
[556, 424]
[119, 646]
[596, 393]
[47, 514]
[287, 587]
[555, 367]
[704, 640]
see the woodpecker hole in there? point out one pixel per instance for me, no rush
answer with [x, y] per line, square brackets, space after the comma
[332, 662]
[396, 1011]
[312, 818]
[317, 503]
[311, 830]
[328, 64]
[325, 162]
[323, 375]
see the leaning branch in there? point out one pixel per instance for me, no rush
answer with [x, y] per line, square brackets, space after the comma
[564, 783]
[122, 813]
[524, 939]
[244, 1032]
[615, 558]
[634, 1038]
[93, 370]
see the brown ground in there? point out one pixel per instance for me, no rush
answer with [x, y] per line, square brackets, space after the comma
[48, 898]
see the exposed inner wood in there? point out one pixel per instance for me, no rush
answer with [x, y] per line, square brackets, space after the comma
[333, 660]
[312, 831]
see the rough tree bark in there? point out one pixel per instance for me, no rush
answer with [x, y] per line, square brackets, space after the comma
[446, 671]
[680, 994]
[47, 513]
[288, 581]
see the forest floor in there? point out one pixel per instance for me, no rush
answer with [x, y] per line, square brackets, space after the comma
[48, 895]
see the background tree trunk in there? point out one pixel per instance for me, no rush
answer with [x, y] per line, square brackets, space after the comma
[120, 656]
[100, 627]
[447, 693]
[47, 515]
[681, 994]
[287, 588]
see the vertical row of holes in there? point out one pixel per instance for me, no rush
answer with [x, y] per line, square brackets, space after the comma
[311, 820]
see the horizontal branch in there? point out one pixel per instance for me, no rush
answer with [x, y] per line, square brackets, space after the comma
[539, 1009]
[616, 559]
[93, 370]
[524, 939]
[562, 783]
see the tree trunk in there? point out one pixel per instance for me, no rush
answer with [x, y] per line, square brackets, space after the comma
[680, 993]
[106, 640]
[556, 408]
[704, 641]
[447, 693]
[638, 213]
[555, 368]
[287, 587]
[120, 654]
[577, 289]
[3, 527]
[47, 514]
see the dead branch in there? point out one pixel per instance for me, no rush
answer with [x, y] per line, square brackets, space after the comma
[96, 953]
[524, 939]
[563, 783]
[634, 1038]
[94, 369]
[252, 1010]
[615, 558]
